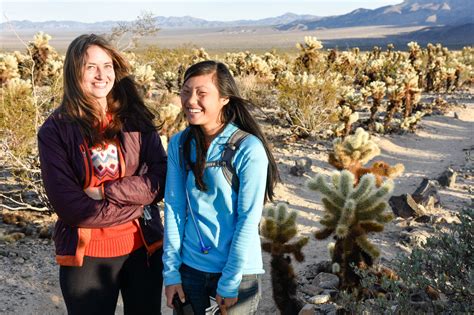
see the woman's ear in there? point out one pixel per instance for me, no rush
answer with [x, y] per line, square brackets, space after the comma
[225, 101]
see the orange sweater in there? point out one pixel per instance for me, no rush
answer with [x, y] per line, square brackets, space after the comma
[117, 240]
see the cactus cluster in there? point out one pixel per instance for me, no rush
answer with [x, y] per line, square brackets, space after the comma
[353, 152]
[278, 228]
[351, 212]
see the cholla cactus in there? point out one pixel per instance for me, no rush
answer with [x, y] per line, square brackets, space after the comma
[395, 95]
[351, 213]
[410, 123]
[145, 77]
[414, 50]
[170, 79]
[377, 91]
[200, 55]
[42, 55]
[374, 68]
[8, 68]
[257, 66]
[450, 77]
[412, 92]
[353, 152]
[342, 120]
[309, 57]
[279, 227]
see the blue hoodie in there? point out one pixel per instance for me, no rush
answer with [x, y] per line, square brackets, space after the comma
[228, 220]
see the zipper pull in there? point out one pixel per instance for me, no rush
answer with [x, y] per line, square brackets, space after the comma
[146, 214]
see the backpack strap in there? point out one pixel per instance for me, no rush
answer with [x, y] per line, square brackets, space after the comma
[231, 147]
[225, 162]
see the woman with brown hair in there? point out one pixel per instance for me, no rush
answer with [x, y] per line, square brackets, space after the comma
[104, 168]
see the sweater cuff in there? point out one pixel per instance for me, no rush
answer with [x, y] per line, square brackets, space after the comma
[171, 279]
[227, 292]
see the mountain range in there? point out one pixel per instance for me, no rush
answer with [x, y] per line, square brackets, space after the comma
[443, 21]
[409, 12]
[162, 22]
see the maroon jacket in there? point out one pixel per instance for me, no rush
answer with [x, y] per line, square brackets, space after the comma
[66, 170]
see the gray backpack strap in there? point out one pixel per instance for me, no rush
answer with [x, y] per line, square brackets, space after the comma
[232, 146]
[225, 162]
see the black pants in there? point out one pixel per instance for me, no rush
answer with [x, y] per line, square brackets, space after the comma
[94, 287]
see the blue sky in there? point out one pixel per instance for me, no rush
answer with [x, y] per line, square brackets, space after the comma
[221, 10]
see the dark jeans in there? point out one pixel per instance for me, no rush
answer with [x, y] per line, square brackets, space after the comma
[94, 287]
[198, 286]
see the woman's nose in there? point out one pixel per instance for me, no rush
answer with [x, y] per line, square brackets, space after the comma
[192, 98]
[98, 73]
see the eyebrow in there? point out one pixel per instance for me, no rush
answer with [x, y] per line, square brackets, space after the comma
[197, 87]
[93, 63]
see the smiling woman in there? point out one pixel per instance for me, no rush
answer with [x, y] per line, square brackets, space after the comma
[99, 75]
[212, 245]
[102, 162]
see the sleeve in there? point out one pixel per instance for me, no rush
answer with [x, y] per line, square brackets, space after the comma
[252, 172]
[175, 215]
[65, 192]
[148, 185]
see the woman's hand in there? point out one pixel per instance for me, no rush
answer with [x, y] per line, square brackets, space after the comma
[94, 193]
[170, 291]
[225, 303]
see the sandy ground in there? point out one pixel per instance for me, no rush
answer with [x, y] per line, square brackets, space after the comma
[29, 275]
[221, 39]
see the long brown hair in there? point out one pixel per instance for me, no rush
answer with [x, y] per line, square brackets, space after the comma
[236, 111]
[124, 101]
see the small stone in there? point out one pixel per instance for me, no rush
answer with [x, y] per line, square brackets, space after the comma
[308, 309]
[19, 260]
[302, 165]
[423, 219]
[311, 290]
[447, 178]
[332, 293]
[327, 308]
[326, 280]
[320, 299]
[405, 206]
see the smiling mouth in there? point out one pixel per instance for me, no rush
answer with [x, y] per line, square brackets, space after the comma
[194, 110]
[100, 85]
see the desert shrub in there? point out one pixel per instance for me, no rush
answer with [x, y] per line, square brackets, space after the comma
[18, 114]
[437, 277]
[260, 92]
[308, 101]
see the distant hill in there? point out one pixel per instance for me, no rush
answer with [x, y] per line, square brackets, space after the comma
[410, 12]
[161, 21]
[448, 35]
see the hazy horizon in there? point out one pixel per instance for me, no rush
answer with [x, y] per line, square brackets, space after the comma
[223, 10]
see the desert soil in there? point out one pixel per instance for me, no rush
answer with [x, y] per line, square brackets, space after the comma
[29, 275]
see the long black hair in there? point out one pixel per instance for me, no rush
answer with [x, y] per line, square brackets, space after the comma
[235, 111]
